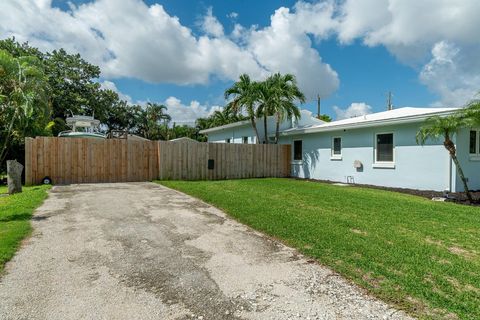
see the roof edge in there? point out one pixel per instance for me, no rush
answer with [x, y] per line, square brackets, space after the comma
[371, 123]
[225, 126]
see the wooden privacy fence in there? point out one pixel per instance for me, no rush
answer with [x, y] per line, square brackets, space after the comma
[75, 160]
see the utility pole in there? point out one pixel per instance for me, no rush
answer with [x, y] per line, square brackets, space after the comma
[318, 106]
[389, 101]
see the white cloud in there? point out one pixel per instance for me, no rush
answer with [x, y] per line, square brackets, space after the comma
[109, 85]
[421, 33]
[211, 25]
[187, 114]
[132, 39]
[181, 113]
[285, 47]
[452, 74]
[356, 109]
[232, 15]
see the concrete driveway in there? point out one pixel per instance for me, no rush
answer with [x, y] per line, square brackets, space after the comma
[142, 251]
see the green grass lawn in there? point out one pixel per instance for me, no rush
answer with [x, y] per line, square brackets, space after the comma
[420, 255]
[15, 213]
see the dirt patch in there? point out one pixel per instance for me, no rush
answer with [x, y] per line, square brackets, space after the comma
[462, 252]
[357, 231]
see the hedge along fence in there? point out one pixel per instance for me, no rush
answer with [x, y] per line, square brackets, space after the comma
[77, 160]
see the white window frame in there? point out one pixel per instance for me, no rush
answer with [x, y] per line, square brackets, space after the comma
[245, 140]
[474, 156]
[384, 164]
[332, 150]
[293, 151]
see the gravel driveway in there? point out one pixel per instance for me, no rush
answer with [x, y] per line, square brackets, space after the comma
[142, 251]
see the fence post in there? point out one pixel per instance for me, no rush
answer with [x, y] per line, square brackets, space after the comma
[28, 162]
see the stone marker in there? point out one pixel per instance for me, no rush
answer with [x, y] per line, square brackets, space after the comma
[14, 176]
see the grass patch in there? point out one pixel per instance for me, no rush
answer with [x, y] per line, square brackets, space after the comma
[15, 213]
[420, 255]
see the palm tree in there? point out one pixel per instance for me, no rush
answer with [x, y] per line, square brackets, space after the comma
[278, 93]
[437, 127]
[245, 99]
[219, 118]
[151, 120]
[288, 92]
[23, 97]
[264, 110]
[472, 112]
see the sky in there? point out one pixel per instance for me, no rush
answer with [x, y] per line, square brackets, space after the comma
[184, 54]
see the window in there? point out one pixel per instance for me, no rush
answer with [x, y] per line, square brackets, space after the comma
[474, 147]
[336, 148]
[297, 150]
[227, 140]
[245, 140]
[473, 142]
[384, 147]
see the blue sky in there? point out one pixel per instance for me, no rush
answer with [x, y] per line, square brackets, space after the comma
[358, 59]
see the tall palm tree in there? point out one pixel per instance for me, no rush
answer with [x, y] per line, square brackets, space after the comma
[245, 99]
[437, 127]
[265, 108]
[284, 106]
[277, 94]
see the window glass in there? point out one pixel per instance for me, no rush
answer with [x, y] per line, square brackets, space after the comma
[245, 140]
[473, 141]
[385, 147]
[227, 140]
[297, 150]
[337, 146]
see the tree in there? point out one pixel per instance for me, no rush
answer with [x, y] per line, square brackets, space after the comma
[217, 118]
[152, 119]
[472, 113]
[245, 98]
[73, 87]
[324, 117]
[277, 95]
[23, 99]
[437, 127]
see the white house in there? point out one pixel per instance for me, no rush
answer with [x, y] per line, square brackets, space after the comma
[242, 131]
[377, 149]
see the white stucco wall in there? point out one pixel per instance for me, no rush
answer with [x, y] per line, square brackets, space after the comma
[470, 165]
[236, 133]
[417, 167]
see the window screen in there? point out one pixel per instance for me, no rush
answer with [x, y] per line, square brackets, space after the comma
[473, 141]
[337, 146]
[385, 147]
[297, 150]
